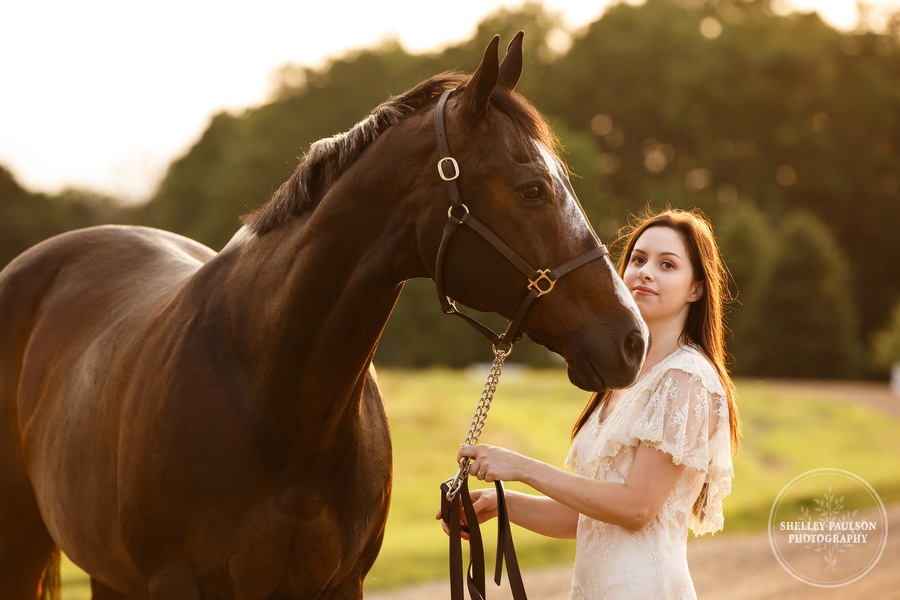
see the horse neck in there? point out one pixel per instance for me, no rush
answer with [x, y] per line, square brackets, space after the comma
[308, 302]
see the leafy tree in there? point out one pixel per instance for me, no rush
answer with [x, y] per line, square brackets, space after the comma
[27, 219]
[17, 224]
[803, 322]
[745, 241]
[581, 156]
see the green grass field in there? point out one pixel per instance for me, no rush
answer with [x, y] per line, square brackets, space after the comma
[786, 433]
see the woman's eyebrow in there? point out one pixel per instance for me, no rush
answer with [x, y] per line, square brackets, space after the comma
[642, 251]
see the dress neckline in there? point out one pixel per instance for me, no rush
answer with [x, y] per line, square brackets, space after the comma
[616, 407]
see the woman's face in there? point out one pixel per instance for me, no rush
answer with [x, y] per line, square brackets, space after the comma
[660, 276]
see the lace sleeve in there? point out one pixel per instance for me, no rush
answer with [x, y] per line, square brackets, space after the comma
[676, 419]
[686, 417]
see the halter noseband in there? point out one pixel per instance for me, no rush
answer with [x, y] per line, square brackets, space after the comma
[540, 281]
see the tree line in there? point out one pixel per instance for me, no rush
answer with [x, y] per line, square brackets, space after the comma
[782, 129]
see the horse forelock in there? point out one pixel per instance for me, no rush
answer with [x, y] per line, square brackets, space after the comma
[328, 158]
[525, 117]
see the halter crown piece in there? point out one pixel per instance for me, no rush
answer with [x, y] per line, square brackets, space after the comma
[540, 281]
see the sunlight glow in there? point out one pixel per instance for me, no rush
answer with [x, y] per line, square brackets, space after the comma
[105, 95]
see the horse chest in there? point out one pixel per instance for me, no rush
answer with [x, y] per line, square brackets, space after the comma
[296, 526]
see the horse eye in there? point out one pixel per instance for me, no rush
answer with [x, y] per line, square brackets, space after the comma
[533, 193]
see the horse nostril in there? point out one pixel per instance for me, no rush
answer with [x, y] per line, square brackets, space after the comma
[634, 348]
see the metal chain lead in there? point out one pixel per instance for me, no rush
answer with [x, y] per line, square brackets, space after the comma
[487, 395]
[478, 419]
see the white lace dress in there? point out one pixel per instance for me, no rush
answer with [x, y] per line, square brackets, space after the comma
[679, 407]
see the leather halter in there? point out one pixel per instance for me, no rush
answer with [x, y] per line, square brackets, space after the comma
[540, 281]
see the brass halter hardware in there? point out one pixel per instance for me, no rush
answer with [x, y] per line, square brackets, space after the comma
[536, 283]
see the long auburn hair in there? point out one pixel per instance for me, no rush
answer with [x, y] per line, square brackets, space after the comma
[705, 324]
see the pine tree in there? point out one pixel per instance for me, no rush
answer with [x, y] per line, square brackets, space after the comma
[744, 238]
[803, 323]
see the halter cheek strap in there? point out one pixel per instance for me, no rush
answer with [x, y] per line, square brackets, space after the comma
[540, 281]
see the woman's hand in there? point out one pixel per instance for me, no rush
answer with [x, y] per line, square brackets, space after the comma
[541, 514]
[491, 463]
[488, 463]
[484, 501]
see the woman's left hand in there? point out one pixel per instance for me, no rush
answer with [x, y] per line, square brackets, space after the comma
[492, 463]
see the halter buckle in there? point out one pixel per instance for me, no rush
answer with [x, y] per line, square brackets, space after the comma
[543, 284]
[440, 167]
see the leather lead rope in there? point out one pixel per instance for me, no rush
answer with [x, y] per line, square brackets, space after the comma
[506, 549]
[474, 580]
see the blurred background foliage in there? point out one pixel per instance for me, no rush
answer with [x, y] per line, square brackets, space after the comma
[782, 129]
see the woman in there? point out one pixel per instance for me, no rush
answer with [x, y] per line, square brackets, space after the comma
[651, 460]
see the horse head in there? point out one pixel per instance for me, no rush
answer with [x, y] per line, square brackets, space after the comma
[519, 242]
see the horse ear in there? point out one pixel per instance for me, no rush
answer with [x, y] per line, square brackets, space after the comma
[511, 67]
[475, 97]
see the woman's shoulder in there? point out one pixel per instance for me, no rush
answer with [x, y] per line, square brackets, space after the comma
[690, 362]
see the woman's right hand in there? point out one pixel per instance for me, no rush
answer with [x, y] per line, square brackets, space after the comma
[484, 501]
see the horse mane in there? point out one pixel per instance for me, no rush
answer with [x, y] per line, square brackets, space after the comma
[327, 158]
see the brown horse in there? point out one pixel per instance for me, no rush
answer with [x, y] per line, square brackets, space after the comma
[186, 424]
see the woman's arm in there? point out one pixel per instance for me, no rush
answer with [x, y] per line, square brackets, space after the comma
[539, 514]
[631, 504]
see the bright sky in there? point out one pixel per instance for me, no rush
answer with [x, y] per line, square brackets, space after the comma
[104, 94]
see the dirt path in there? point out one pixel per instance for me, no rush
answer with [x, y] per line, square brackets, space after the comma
[874, 394]
[733, 567]
[738, 566]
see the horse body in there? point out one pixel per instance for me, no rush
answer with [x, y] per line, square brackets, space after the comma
[302, 505]
[186, 424]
